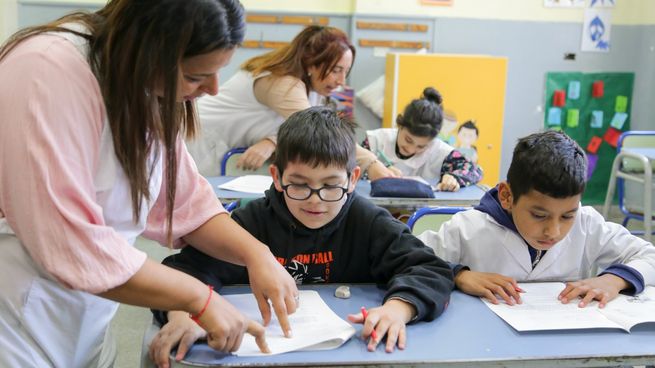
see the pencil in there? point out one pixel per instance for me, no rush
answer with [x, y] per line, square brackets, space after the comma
[374, 334]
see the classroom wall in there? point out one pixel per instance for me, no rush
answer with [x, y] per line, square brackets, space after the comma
[625, 11]
[8, 18]
[533, 38]
[534, 48]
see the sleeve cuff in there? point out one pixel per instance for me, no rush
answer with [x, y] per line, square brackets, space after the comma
[456, 267]
[630, 275]
[396, 297]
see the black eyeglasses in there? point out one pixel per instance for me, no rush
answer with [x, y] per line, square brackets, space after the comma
[327, 193]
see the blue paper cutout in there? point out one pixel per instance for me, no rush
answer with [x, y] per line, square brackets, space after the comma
[554, 116]
[597, 119]
[574, 90]
[618, 120]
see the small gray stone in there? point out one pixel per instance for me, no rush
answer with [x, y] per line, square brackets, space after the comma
[342, 292]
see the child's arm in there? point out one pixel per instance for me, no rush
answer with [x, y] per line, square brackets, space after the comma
[603, 288]
[489, 285]
[410, 270]
[448, 183]
[464, 171]
[613, 250]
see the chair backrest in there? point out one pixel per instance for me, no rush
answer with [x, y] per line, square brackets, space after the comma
[229, 164]
[635, 139]
[630, 193]
[431, 218]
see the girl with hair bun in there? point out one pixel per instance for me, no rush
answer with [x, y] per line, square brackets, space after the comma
[412, 150]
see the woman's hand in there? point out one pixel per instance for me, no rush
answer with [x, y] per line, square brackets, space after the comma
[256, 155]
[225, 326]
[270, 281]
[221, 324]
[179, 329]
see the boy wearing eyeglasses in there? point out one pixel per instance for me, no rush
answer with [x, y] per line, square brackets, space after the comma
[321, 231]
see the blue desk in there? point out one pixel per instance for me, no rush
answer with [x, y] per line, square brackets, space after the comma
[468, 196]
[467, 334]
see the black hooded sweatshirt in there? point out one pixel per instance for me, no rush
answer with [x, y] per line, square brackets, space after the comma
[362, 244]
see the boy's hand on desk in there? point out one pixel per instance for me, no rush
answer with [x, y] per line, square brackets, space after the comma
[179, 329]
[488, 286]
[602, 288]
[448, 184]
[256, 155]
[389, 320]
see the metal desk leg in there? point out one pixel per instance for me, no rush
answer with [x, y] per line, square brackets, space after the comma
[648, 192]
[611, 186]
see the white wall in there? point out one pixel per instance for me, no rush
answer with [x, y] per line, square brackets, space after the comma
[8, 18]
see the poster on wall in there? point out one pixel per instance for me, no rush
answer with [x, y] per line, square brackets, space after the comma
[593, 109]
[602, 3]
[596, 30]
[564, 3]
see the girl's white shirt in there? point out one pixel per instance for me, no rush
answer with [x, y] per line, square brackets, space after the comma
[426, 164]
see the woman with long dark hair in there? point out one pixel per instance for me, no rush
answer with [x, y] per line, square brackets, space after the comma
[95, 107]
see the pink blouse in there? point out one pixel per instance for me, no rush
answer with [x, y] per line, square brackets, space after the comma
[52, 117]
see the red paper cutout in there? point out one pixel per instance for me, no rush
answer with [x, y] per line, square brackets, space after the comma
[559, 98]
[598, 89]
[611, 136]
[594, 144]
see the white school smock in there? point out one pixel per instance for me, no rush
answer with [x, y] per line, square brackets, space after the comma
[426, 164]
[234, 118]
[66, 228]
[475, 239]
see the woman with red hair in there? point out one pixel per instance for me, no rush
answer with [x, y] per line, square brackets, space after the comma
[265, 91]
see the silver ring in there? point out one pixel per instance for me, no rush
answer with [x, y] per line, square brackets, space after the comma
[297, 299]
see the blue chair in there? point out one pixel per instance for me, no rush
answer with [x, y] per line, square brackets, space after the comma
[229, 164]
[231, 206]
[431, 218]
[632, 176]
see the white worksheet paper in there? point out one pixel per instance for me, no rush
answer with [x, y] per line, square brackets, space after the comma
[314, 325]
[541, 310]
[249, 184]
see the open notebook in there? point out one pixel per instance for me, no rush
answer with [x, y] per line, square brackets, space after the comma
[541, 310]
[315, 326]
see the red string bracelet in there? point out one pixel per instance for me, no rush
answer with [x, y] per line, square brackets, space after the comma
[196, 318]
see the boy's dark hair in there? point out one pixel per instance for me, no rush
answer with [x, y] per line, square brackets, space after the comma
[423, 116]
[549, 162]
[469, 124]
[316, 136]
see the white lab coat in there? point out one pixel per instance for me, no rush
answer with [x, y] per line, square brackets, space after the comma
[42, 322]
[475, 239]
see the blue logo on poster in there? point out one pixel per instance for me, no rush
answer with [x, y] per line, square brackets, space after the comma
[601, 2]
[596, 32]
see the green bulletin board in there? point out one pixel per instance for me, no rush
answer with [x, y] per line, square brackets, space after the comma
[596, 108]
